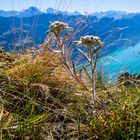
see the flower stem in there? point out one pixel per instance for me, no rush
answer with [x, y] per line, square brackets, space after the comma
[93, 78]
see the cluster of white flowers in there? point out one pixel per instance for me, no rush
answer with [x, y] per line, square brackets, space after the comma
[58, 26]
[89, 41]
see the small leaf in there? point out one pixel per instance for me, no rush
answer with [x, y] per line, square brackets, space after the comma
[95, 62]
[96, 50]
[82, 53]
[76, 42]
[87, 74]
[69, 28]
[74, 70]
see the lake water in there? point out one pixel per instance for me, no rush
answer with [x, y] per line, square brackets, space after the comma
[126, 60]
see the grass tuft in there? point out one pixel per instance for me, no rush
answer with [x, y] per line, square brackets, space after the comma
[40, 100]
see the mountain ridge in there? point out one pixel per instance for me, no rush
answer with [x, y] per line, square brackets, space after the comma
[32, 11]
[124, 32]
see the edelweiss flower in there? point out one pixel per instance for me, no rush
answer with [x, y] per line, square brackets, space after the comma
[57, 27]
[89, 41]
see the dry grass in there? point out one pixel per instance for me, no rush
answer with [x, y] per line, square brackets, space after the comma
[40, 100]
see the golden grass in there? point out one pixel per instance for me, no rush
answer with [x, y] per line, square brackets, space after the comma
[46, 102]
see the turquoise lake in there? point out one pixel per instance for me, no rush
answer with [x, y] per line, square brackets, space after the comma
[126, 60]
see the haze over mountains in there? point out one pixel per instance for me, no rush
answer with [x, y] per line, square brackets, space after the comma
[32, 11]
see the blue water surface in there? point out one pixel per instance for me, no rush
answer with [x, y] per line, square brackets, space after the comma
[126, 60]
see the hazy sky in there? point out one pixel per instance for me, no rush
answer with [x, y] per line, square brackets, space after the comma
[73, 5]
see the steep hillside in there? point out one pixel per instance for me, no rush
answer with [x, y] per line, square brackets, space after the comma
[116, 33]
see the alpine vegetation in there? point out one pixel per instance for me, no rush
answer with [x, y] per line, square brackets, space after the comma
[93, 45]
[45, 95]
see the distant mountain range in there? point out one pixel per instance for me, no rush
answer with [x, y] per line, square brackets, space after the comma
[32, 11]
[120, 32]
[114, 14]
[117, 33]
